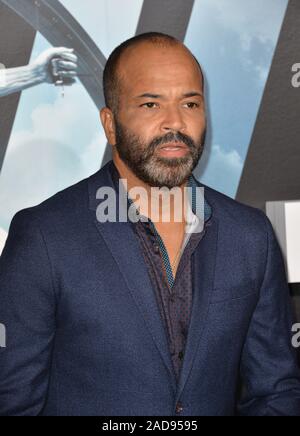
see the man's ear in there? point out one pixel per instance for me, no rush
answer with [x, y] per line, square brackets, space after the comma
[108, 123]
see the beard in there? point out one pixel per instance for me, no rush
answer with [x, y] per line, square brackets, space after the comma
[154, 170]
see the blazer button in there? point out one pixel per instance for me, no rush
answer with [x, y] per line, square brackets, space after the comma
[179, 408]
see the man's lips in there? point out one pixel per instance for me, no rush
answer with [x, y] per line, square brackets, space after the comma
[173, 149]
[173, 146]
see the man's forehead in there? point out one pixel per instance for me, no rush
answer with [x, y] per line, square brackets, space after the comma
[156, 71]
[144, 54]
[168, 71]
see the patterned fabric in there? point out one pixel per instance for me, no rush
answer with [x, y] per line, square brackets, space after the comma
[173, 294]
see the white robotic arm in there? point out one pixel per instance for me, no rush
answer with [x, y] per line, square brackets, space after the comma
[56, 65]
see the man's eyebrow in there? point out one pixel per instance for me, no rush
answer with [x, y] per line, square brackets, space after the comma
[193, 94]
[149, 95]
[186, 95]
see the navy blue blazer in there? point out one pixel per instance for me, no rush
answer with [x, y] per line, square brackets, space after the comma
[85, 336]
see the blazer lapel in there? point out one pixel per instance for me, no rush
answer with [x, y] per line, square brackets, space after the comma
[124, 247]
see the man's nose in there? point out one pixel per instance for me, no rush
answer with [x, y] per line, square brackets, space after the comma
[173, 120]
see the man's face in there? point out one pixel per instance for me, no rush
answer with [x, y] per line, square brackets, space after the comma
[160, 123]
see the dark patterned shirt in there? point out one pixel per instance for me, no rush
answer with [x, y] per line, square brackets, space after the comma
[173, 294]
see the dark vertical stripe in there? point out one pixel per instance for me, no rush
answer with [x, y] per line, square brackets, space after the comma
[272, 168]
[168, 16]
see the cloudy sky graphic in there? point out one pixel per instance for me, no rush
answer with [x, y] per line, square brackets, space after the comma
[58, 141]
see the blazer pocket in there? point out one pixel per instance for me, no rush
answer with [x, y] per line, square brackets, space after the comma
[234, 292]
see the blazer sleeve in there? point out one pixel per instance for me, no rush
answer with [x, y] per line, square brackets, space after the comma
[27, 310]
[269, 367]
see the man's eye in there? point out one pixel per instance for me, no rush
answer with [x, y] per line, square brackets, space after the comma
[149, 105]
[192, 105]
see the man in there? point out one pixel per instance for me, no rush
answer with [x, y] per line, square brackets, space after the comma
[146, 317]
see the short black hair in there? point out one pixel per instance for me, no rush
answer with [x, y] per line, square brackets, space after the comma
[110, 74]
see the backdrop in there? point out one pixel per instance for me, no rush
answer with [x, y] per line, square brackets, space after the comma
[250, 52]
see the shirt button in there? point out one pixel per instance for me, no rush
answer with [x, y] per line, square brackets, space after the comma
[179, 408]
[156, 248]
